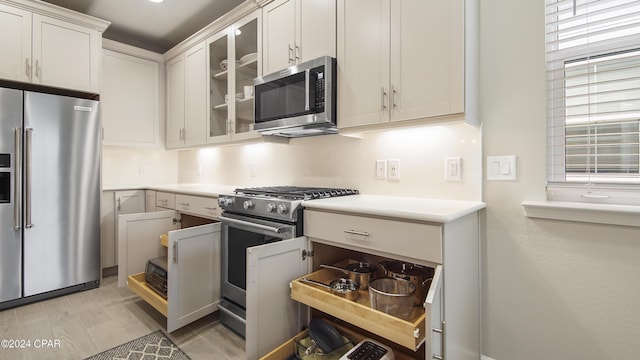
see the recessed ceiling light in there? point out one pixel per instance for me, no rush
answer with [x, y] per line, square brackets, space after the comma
[156, 1]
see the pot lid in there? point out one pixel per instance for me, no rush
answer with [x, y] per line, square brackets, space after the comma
[361, 267]
[409, 269]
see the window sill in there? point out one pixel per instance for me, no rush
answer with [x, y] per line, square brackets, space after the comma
[625, 215]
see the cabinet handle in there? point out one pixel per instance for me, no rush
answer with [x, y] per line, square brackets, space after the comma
[164, 201]
[353, 232]
[183, 204]
[290, 54]
[27, 68]
[175, 252]
[118, 204]
[393, 96]
[384, 93]
[297, 52]
[210, 207]
[38, 69]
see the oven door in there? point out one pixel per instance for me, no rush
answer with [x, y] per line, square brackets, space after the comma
[238, 233]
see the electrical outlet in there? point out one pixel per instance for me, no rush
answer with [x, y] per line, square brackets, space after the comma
[381, 169]
[141, 169]
[394, 169]
[453, 168]
[252, 169]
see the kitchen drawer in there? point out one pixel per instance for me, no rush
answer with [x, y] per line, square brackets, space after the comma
[288, 348]
[166, 200]
[137, 284]
[409, 332]
[411, 239]
[198, 205]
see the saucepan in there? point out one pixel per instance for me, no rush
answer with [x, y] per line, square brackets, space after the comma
[360, 272]
[345, 288]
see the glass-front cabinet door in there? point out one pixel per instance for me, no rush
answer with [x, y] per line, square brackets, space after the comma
[246, 49]
[219, 67]
[233, 64]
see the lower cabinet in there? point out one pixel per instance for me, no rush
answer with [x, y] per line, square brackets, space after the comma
[445, 326]
[193, 262]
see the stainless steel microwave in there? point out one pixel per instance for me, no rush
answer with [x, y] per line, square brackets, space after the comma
[297, 101]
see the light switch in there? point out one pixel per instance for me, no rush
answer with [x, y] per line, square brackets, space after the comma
[501, 167]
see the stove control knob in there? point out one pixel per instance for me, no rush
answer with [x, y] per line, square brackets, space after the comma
[282, 209]
[224, 202]
[271, 207]
[247, 205]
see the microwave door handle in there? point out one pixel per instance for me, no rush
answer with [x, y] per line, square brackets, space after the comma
[307, 76]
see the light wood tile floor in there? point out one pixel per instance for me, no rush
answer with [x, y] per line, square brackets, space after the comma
[86, 323]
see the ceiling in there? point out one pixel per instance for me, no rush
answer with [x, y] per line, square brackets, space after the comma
[151, 26]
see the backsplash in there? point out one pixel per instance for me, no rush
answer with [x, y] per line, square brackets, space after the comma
[341, 161]
[138, 167]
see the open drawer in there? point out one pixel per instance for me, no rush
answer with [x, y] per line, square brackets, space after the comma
[409, 333]
[137, 284]
[289, 348]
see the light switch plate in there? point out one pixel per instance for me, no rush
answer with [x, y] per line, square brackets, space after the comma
[381, 169]
[501, 168]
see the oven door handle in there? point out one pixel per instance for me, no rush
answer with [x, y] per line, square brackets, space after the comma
[277, 230]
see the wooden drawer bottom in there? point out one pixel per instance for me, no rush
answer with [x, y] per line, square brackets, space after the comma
[136, 283]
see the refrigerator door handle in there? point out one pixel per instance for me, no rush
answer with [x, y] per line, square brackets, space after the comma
[27, 143]
[17, 180]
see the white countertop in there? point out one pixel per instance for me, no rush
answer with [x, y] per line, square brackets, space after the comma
[212, 190]
[410, 208]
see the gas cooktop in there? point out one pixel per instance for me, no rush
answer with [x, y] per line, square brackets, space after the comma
[295, 192]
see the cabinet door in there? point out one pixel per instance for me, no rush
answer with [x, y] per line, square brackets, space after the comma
[139, 240]
[150, 204]
[194, 274]
[15, 45]
[108, 229]
[434, 346]
[130, 99]
[129, 202]
[316, 24]
[427, 58]
[65, 55]
[363, 62]
[195, 84]
[278, 35]
[218, 52]
[175, 102]
[272, 317]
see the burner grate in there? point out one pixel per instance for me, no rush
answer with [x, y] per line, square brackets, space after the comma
[296, 192]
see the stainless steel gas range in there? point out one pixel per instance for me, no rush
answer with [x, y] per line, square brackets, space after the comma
[253, 217]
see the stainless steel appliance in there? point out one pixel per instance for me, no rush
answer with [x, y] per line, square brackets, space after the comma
[297, 101]
[252, 217]
[50, 202]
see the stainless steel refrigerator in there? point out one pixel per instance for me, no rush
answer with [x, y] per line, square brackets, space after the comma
[50, 196]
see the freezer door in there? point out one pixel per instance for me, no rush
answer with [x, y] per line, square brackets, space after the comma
[62, 192]
[10, 244]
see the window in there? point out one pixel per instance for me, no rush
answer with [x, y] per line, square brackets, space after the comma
[593, 76]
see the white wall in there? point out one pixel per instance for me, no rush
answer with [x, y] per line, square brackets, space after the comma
[339, 161]
[121, 167]
[551, 289]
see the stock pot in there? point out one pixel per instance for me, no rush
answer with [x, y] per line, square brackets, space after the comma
[360, 272]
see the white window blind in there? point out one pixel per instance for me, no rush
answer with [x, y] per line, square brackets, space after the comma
[593, 77]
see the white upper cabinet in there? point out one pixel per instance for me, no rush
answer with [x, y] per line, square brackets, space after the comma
[50, 46]
[186, 98]
[130, 100]
[175, 102]
[233, 64]
[296, 31]
[15, 46]
[65, 55]
[400, 60]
